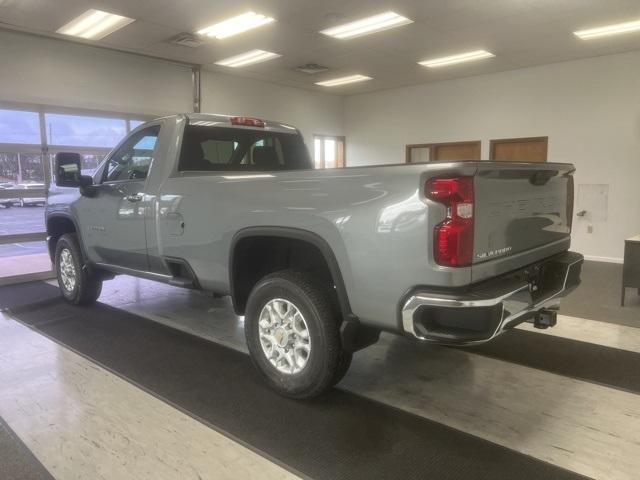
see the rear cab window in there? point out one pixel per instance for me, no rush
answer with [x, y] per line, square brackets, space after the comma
[213, 149]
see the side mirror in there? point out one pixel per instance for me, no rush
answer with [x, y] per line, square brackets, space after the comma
[68, 171]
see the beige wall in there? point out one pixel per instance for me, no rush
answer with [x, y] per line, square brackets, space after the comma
[590, 109]
[50, 72]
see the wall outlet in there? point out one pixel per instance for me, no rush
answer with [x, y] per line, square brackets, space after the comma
[589, 228]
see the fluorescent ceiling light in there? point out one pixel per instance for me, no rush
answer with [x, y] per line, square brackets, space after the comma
[343, 80]
[94, 25]
[462, 57]
[608, 30]
[236, 25]
[376, 23]
[254, 56]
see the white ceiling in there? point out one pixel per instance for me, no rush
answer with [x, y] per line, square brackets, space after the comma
[520, 33]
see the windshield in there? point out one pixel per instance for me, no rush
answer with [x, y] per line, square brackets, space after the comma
[234, 149]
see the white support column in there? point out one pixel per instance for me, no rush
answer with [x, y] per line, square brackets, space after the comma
[19, 179]
[46, 163]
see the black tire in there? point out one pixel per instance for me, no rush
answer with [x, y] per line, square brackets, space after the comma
[327, 362]
[87, 287]
[344, 362]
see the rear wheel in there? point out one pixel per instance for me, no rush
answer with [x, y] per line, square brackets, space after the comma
[292, 330]
[344, 362]
[77, 285]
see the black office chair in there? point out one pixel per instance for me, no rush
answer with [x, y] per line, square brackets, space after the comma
[192, 158]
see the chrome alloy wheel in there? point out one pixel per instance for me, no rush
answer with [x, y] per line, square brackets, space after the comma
[284, 336]
[67, 270]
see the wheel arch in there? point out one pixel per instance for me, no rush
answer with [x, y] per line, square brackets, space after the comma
[300, 235]
[58, 224]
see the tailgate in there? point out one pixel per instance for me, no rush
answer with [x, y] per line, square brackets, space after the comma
[523, 213]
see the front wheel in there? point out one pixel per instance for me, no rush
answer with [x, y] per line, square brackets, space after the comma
[292, 329]
[77, 284]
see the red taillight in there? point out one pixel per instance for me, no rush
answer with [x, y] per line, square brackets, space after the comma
[453, 246]
[247, 121]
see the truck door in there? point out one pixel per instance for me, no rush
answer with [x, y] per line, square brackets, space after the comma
[114, 217]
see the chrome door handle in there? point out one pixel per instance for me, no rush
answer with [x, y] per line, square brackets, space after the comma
[134, 198]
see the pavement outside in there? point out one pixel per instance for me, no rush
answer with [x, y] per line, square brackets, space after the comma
[16, 220]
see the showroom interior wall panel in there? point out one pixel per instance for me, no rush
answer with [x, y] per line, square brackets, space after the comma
[42, 71]
[589, 109]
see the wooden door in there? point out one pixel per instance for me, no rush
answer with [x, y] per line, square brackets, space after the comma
[455, 151]
[443, 152]
[532, 149]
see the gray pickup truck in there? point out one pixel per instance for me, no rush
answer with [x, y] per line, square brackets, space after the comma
[318, 262]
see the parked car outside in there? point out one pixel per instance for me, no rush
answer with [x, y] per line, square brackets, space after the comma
[10, 201]
[30, 201]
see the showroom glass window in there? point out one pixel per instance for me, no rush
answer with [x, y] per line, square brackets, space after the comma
[19, 127]
[133, 159]
[21, 158]
[84, 131]
[135, 123]
[21, 169]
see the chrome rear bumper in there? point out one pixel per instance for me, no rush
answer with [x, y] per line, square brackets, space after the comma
[485, 310]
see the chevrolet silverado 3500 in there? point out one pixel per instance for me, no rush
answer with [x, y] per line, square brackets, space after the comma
[318, 262]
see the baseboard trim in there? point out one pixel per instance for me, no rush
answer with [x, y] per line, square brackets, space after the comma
[594, 258]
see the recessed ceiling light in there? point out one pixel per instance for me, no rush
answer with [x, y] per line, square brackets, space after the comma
[462, 57]
[343, 80]
[254, 56]
[236, 25]
[376, 23]
[94, 25]
[616, 29]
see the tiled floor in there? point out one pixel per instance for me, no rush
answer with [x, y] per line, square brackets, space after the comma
[538, 413]
[38, 263]
[80, 419]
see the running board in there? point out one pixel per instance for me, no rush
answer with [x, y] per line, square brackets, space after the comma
[182, 274]
[181, 282]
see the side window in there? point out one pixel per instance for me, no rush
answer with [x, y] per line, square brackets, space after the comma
[132, 160]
